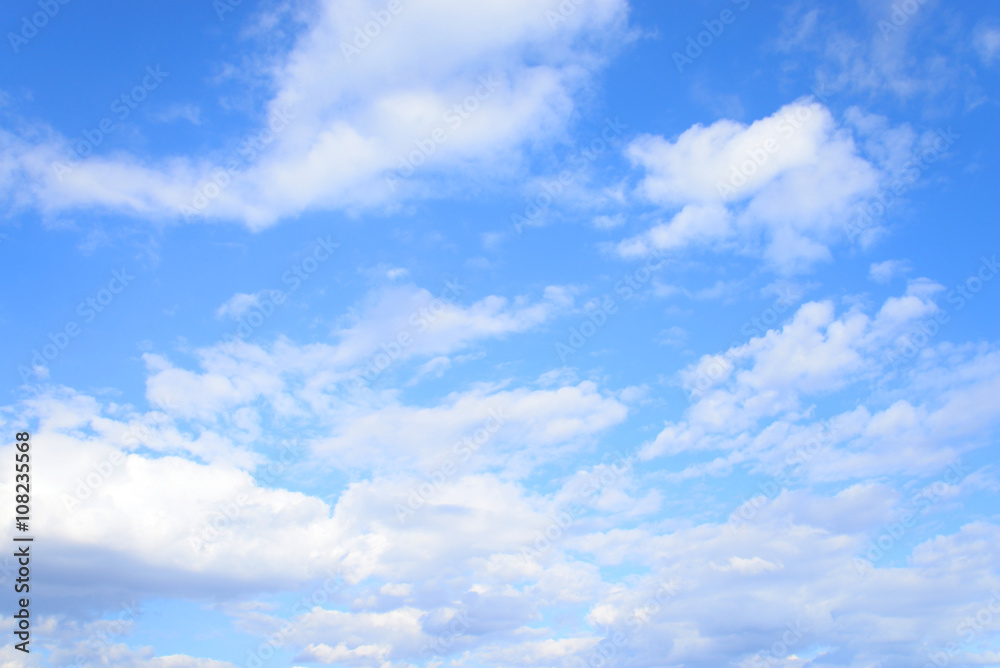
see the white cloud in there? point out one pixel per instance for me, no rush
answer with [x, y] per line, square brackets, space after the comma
[911, 51]
[608, 222]
[986, 39]
[752, 566]
[240, 304]
[719, 614]
[187, 112]
[392, 325]
[396, 272]
[453, 578]
[436, 325]
[883, 272]
[533, 422]
[346, 120]
[793, 177]
[757, 402]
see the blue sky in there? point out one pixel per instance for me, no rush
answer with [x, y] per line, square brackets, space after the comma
[506, 334]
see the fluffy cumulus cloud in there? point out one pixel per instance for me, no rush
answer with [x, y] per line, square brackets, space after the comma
[793, 178]
[369, 105]
[411, 479]
[758, 402]
[442, 549]
[203, 460]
